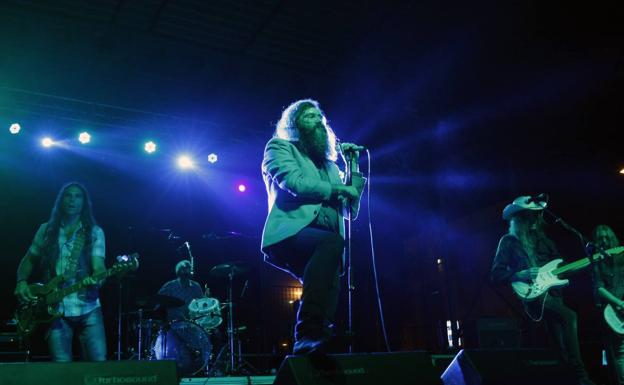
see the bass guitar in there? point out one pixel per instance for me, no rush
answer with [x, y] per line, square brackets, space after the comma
[43, 309]
[614, 319]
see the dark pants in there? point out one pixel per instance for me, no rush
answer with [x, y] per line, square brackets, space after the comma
[313, 256]
[561, 322]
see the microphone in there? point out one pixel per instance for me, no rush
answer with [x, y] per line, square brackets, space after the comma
[347, 149]
[541, 198]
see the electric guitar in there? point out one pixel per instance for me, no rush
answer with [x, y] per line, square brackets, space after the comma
[43, 309]
[614, 319]
[548, 276]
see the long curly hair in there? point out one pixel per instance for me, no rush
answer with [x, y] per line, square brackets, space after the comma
[613, 239]
[50, 247]
[286, 128]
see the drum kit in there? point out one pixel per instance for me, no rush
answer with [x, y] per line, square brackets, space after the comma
[189, 341]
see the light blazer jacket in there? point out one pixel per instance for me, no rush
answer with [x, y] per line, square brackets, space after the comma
[295, 191]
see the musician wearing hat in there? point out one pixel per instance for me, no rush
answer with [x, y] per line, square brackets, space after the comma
[182, 288]
[520, 254]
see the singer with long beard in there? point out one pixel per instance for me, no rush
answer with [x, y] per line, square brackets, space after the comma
[308, 201]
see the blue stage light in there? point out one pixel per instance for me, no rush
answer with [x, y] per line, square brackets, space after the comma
[185, 162]
[242, 188]
[47, 142]
[213, 158]
[15, 128]
[150, 147]
[84, 137]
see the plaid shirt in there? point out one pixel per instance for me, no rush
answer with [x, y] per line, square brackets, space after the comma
[72, 305]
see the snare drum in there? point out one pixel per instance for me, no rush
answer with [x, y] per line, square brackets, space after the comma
[185, 342]
[206, 312]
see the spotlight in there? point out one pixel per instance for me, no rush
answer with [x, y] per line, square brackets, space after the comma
[84, 137]
[622, 171]
[47, 142]
[15, 128]
[242, 188]
[212, 158]
[185, 162]
[149, 147]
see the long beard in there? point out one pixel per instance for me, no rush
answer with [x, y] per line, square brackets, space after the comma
[315, 144]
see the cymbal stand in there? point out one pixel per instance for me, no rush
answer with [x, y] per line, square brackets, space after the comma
[234, 364]
[140, 332]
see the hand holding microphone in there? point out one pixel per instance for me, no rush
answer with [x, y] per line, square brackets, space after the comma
[350, 148]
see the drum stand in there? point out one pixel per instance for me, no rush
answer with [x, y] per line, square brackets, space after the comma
[236, 364]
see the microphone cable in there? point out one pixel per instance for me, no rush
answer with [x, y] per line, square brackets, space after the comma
[373, 254]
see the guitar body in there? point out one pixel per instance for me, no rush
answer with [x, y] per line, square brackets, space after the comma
[30, 315]
[43, 309]
[614, 319]
[545, 280]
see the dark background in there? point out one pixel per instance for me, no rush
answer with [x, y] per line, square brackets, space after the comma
[463, 105]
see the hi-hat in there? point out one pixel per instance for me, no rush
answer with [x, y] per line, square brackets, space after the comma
[225, 269]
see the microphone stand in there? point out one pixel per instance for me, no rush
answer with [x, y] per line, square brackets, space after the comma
[349, 158]
[192, 260]
[588, 247]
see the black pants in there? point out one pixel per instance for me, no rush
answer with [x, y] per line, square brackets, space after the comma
[561, 322]
[314, 257]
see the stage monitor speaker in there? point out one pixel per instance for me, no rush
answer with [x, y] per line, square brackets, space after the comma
[403, 368]
[89, 373]
[508, 367]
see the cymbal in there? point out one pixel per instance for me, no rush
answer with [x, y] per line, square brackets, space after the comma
[225, 269]
[160, 299]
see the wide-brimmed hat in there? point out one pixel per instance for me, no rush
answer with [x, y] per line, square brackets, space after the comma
[525, 202]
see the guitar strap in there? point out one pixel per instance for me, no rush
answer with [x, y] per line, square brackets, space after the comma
[74, 256]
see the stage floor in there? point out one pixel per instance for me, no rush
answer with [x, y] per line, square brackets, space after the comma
[247, 380]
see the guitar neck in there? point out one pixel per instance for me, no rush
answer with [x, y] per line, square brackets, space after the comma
[58, 295]
[584, 262]
[572, 266]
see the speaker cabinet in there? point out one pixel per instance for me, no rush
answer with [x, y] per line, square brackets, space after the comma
[89, 373]
[413, 368]
[508, 367]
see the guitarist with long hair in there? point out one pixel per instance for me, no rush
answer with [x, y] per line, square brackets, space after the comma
[609, 280]
[520, 254]
[70, 244]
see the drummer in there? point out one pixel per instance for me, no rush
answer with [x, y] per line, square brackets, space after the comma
[183, 288]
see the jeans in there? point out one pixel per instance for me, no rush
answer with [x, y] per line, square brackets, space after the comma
[615, 351]
[313, 256]
[90, 330]
[561, 323]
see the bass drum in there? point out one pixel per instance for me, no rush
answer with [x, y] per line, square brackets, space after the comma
[186, 343]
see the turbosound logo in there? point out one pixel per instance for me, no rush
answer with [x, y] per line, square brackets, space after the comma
[121, 380]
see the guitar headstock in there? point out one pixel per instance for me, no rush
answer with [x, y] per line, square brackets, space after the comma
[610, 252]
[125, 263]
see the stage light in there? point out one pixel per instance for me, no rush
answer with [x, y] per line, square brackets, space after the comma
[84, 137]
[149, 147]
[47, 142]
[185, 162]
[622, 171]
[213, 158]
[242, 188]
[15, 128]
